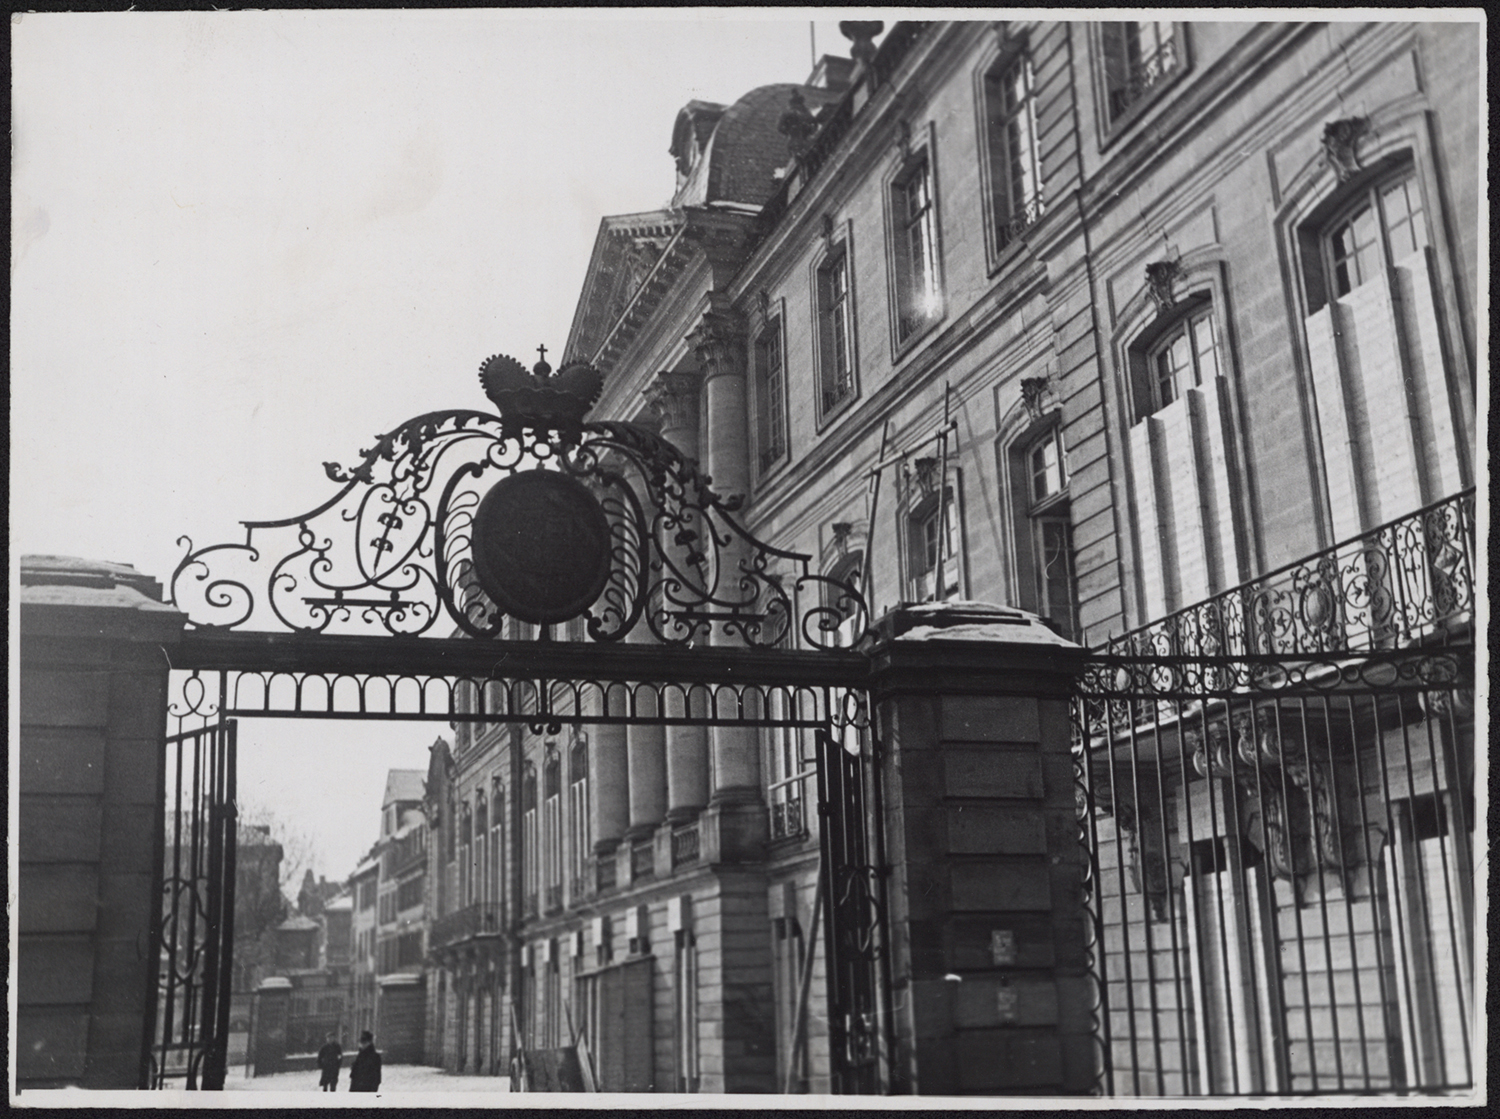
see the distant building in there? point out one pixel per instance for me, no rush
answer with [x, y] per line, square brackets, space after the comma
[388, 924]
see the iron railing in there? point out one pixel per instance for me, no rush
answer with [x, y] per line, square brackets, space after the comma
[1277, 792]
[1408, 581]
[481, 919]
[786, 807]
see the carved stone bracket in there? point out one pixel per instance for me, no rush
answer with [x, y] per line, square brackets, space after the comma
[1341, 145]
[1161, 276]
[1290, 805]
[1035, 392]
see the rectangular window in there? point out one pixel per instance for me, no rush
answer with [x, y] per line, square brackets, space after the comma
[685, 1010]
[409, 894]
[579, 830]
[1052, 541]
[933, 537]
[1138, 57]
[787, 956]
[835, 332]
[770, 395]
[529, 858]
[918, 299]
[1015, 165]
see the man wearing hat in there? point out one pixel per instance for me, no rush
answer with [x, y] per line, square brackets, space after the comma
[364, 1073]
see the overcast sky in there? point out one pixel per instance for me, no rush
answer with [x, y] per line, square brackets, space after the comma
[243, 243]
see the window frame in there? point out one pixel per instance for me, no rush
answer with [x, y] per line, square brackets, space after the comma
[552, 829]
[1002, 230]
[579, 823]
[915, 516]
[1367, 190]
[770, 408]
[919, 161]
[837, 254]
[1113, 124]
[1148, 351]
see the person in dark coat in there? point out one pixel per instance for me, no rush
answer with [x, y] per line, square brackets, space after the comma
[329, 1060]
[364, 1073]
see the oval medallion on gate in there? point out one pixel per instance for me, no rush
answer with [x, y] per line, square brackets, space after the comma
[541, 546]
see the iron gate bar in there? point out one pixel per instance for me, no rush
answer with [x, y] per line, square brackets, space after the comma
[362, 655]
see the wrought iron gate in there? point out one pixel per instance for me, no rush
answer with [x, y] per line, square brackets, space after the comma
[858, 982]
[596, 578]
[1280, 806]
[192, 932]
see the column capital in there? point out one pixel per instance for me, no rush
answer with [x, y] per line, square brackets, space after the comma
[718, 342]
[673, 397]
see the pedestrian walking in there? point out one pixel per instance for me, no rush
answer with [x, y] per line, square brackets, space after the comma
[329, 1062]
[364, 1073]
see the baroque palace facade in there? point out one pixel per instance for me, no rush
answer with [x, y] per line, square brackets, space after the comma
[1099, 320]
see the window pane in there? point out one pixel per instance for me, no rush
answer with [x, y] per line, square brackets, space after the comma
[836, 375]
[1205, 348]
[1403, 217]
[1054, 560]
[1046, 469]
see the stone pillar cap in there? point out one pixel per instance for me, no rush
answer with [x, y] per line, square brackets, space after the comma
[71, 571]
[400, 979]
[963, 621]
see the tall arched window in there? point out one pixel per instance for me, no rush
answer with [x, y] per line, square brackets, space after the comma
[530, 855]
[1044, 531]
[497, 850]
[552, 829]
[466, 857]
[1185, 458]
[578, 811]
[1392, 414]
[481, 836]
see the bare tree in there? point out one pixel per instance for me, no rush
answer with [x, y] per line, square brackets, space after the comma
[271, 859]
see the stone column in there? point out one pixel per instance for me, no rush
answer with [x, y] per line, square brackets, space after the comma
[674, 398]
[93, 694]
[991, 990]
[719, 342]
[645, 753]
[608, 786]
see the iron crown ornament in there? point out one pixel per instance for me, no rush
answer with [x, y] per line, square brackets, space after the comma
[539, 399]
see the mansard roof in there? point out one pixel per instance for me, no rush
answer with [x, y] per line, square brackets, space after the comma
[747, 147]
[402, 785]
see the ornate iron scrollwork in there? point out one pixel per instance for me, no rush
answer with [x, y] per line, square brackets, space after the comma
[392, 552]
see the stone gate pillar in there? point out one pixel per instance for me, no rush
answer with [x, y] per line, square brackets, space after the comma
[93, 709]
[273, 1004]
[991, 991]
